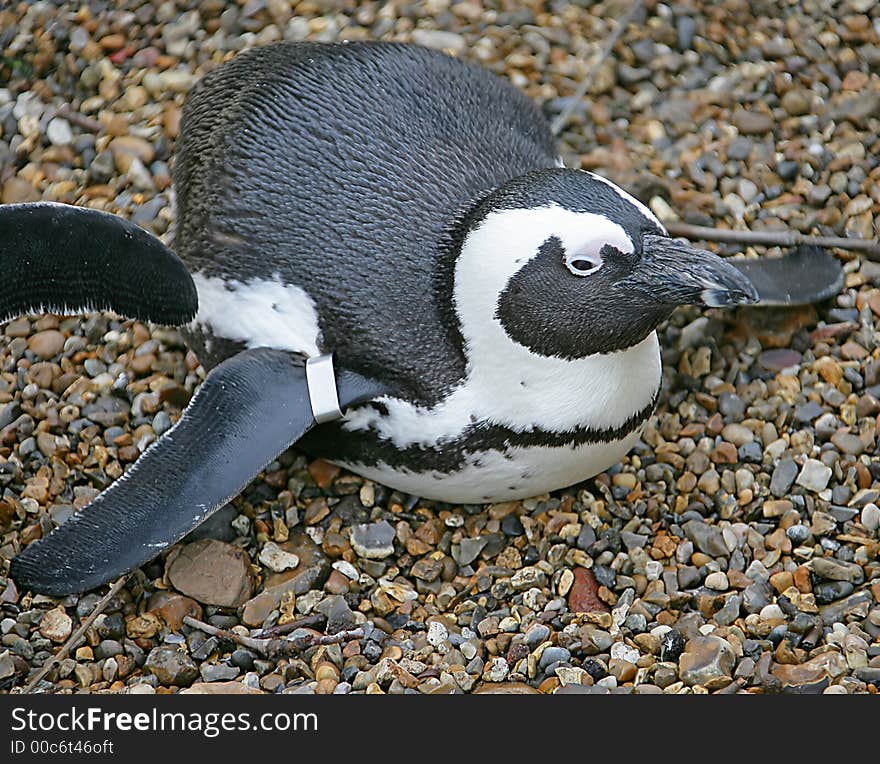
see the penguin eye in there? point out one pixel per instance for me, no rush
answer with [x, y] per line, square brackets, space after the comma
[582, 264]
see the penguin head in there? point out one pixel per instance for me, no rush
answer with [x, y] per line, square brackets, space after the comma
[570, 265]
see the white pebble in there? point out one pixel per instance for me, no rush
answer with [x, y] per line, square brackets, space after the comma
[871, 517]
[772, 613]
[718, 581]
[814, 475]
[624, 652]
[276, 559]
[347, 569]
[437, 633]
[58, 132]
[653, 570]
[141, 689]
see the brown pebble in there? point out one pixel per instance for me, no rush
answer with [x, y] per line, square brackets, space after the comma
[323, 473]
[46, 344]
[583, 597]
[212, 572]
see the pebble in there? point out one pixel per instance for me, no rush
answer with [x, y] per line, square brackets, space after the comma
[171, 666]
[870, 517]
[276, 559]
[373, 541]
[718, 581]
[814, 475]
[583, 596]
[707, 661]
[707, 538]
[812, 676]
[784, 475]
[56, 625]
[212, 572]
[750, 122]
[218, 672]
[58, 132]
[46, 344]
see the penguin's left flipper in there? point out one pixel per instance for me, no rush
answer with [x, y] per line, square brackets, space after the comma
[64, 259]
[803, 275]
[250, 409]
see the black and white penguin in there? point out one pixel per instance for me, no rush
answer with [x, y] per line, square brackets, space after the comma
[479, 321]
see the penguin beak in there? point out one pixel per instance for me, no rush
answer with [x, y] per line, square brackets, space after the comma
[675, 273]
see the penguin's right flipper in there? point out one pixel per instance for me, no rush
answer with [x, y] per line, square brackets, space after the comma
[250, 408]
[803, 275]
[64, 259]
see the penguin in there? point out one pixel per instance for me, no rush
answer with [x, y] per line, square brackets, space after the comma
[376, 254]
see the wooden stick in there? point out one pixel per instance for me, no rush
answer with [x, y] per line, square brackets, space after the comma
[870, 248]
[80, 120]
[260, 645]
[276, 646]
[307, 622]
[75, 637]
[563, 116]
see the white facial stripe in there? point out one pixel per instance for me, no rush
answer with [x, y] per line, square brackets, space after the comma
[259, 313]
[630, 198]
[506, 383]
[507, 240]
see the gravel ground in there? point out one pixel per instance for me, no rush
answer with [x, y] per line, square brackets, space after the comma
[734, 550]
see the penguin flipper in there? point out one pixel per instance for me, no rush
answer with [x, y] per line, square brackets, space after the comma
[250, 408]
[803, 275]
[64, 259]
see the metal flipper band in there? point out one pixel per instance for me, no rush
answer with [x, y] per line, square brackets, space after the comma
[321, 380]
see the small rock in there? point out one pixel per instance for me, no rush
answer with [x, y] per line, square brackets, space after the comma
[583, 597]
[707, 661]
[218, 672]
[836, 570]
[47, 344]
[58, 132]
[812, 676]
[221, 688]
[171, 666]
[752, 122]
[7, 666]
[468, 549]
[56, 625]
[707, 538]
[505, 688]
[276, 559]
[212, 572]
[17, 190]
[871, 517]
[784, 475]
[434, 38]
[374, 541]
[814, 475]
[718, 581]
[796, 103]
[339, 615]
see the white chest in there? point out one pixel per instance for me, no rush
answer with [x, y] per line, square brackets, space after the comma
[525, 395]
[503, 475]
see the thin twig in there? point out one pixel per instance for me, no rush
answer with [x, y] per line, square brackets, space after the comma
[307, 622]
[277, 646]
[75, 637]
[563, 116]
[80, 120]
[870, 248]
[260, 645]
[334, 639]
